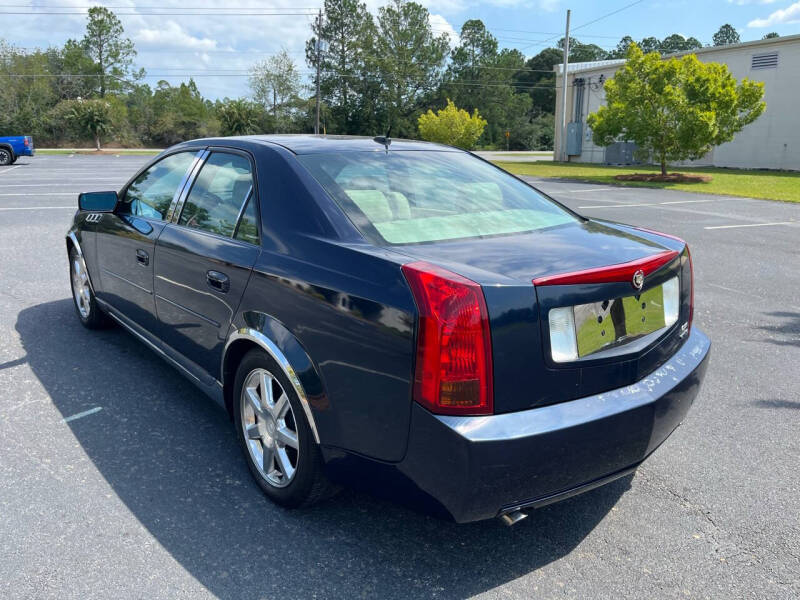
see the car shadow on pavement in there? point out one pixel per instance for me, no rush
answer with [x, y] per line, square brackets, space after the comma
[170, 455]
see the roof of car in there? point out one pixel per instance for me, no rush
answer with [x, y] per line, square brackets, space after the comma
[314, 144]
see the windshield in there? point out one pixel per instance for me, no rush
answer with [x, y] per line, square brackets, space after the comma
[414, 197]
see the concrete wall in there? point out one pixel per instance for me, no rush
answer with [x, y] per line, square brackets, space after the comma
[771, 142]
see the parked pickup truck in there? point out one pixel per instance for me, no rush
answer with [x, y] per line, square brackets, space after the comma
[12, 147]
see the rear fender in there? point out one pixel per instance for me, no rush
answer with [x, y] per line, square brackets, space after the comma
[270, 335]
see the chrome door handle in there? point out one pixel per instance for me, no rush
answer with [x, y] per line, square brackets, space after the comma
[218, 281]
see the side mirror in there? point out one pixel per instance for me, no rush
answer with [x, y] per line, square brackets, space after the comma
[98, 201]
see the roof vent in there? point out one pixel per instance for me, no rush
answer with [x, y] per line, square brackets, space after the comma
[764, 61]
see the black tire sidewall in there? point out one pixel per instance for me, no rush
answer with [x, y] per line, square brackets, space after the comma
[308, 467]
[6, 157]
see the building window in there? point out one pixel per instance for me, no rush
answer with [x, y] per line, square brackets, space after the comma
[764, 61]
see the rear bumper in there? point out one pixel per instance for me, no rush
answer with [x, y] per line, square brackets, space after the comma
[480, 467]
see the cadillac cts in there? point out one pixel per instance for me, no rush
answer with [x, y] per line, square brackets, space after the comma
[397, 315]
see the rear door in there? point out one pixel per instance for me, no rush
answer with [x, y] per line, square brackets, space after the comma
[126, 238]
[205, 255]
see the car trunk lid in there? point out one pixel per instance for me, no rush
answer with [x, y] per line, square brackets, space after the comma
[586, 268]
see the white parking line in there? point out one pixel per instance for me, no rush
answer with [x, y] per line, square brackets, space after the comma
[59, 183]
[36, 207]
[80, 415]
[653, 203]
[749, 225]
[18, 194]
[10, 169]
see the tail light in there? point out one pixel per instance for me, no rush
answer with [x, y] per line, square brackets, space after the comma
[453, 373]
[26, 140]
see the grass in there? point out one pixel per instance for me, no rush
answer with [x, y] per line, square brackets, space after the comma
[103, 152]
[769, 185]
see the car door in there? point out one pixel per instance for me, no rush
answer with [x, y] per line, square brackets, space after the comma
[205, 256]
[125, 239]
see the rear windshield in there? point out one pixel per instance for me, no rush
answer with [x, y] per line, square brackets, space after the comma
[414, 197]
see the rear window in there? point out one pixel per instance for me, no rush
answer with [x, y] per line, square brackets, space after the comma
[409, 197]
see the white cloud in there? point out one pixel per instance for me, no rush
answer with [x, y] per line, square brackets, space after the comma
[743, 2]
[790, 14]
[441, 25]
[171, 35]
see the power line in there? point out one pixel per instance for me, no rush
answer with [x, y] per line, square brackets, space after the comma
[182, 14]
[613, 12]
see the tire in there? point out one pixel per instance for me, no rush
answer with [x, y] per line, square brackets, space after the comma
[6, 157]
[265, 425]
[86, 307]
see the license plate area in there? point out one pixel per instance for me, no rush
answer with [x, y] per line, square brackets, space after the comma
[612, 323]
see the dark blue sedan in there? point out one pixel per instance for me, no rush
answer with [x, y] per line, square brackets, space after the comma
[396, 315]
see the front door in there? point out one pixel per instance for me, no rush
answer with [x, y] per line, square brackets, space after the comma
[204, 259]
[126, 238]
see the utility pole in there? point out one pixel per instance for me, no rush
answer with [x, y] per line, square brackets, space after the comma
[319, 60]
[564, 94]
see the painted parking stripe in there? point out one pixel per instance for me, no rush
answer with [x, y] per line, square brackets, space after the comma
[80, 415]
[651, 203]
[36, 207]
[749, 225]
[60, 183]
[18, 194]
[4, 171]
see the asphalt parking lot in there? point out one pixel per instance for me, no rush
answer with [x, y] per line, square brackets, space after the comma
[119, 479]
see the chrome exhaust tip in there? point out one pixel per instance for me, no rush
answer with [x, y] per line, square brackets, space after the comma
[512, 518]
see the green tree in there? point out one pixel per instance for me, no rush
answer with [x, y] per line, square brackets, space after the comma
[346, 37]
[726, 35]
[479, 77]
[238, 117]
[771, 35]
[678, 43]
[93, 118]
[539, 80]
[580, 52]
[112, 53]
[452, 126]
[407, 61]
[674, 109]
[275, 84]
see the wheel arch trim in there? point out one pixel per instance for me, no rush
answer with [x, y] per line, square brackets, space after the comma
[72, 238]
[264, 342]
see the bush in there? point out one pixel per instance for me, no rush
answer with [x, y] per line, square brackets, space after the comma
[452, 126]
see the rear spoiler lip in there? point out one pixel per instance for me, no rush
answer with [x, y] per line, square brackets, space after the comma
[619, 272]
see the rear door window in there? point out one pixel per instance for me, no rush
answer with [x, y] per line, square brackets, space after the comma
[223, 185]
[151, 193]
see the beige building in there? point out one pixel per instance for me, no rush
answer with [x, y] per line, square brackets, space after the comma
[771, 142]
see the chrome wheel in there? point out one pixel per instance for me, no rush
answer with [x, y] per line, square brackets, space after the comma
[269, 428]
[80, 286]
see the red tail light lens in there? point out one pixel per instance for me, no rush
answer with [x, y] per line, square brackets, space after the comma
[453, 372]
[26, 141]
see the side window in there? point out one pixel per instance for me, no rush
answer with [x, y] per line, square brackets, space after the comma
[151, 193]
[248, 225]
[218, 193]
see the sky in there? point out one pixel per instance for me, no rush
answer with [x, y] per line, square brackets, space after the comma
[217, 48]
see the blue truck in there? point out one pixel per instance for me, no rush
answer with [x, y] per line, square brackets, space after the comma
[14, 146]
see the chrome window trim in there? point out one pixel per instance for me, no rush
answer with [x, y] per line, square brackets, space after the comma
[269, 346]
[177, 200]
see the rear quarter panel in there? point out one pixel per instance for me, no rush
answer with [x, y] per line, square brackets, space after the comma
[353, 316]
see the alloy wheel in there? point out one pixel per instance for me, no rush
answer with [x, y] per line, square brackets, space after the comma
[80, 286]
[269, 428]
